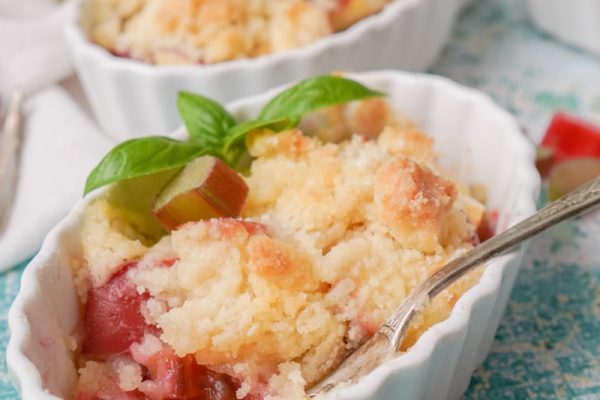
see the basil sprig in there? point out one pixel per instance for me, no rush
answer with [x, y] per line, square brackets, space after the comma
[313, 94]
[143, 156]
[214, 131]
[206, 121]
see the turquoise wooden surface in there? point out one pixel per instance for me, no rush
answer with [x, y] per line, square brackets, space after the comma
[548, 343]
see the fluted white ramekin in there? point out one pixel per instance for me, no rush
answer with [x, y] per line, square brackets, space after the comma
[474, 137]
[576, 22]
[131, 98]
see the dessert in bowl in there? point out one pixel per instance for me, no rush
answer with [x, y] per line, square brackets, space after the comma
[254, 54]
[331, 236]
[212, 31]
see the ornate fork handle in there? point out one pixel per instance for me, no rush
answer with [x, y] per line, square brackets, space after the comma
[388, 339]
[10, 142]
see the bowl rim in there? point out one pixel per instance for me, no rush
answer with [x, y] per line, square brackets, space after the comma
[555, 19]
[28, 378]
[79, 41]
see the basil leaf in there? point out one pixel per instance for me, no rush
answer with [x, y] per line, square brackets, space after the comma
[213, 130]
[139, 157]
[206, 121]
[313, 94]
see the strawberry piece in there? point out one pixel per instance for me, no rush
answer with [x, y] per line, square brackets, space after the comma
[569, 137]
[179, 378]
[113, 319]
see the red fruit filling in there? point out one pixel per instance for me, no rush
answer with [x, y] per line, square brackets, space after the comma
[172, 377]
[487, 227]
[112, 392]
[113, 320]
[114, 325]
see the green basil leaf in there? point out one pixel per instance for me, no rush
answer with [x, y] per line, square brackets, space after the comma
[313, 94]
[234, 154]
[139, 157]
[206, 121]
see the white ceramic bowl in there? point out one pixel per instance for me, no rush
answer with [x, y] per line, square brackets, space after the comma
[131, 98]
[474, 137]
[576, 22]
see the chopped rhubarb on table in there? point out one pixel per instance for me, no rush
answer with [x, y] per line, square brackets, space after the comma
[544, 160]
[172, 377]
[566, 138]
[569, 154]
[113, 320]
[571, 174]
[206, 188]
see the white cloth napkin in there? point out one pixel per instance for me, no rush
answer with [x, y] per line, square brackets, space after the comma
[33, 53]
[60, 143]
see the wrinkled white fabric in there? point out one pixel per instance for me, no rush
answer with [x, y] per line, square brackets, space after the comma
[33, 53]
[61, 144]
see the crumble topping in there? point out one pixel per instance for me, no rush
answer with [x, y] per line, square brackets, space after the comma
[211, 31]
[332, 238]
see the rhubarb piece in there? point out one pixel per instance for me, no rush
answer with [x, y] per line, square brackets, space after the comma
[544, 160]
[473, 208]
[172, 377]
[570, 174]
[487, 226]
[570, 137]
[113, 319]
[206, 188]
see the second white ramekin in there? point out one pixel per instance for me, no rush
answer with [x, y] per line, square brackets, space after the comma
[576, 22]
[474, 137]
[131, 98]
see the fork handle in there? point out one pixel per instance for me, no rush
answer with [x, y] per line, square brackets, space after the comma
[575, 203]
[385, 342]
[10, 141]
[376, 350]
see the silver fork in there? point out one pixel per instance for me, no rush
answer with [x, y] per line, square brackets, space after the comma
[384, 344]
[10, 143]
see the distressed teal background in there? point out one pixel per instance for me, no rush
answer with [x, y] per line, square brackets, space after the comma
[9, 286]
[548, 343]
